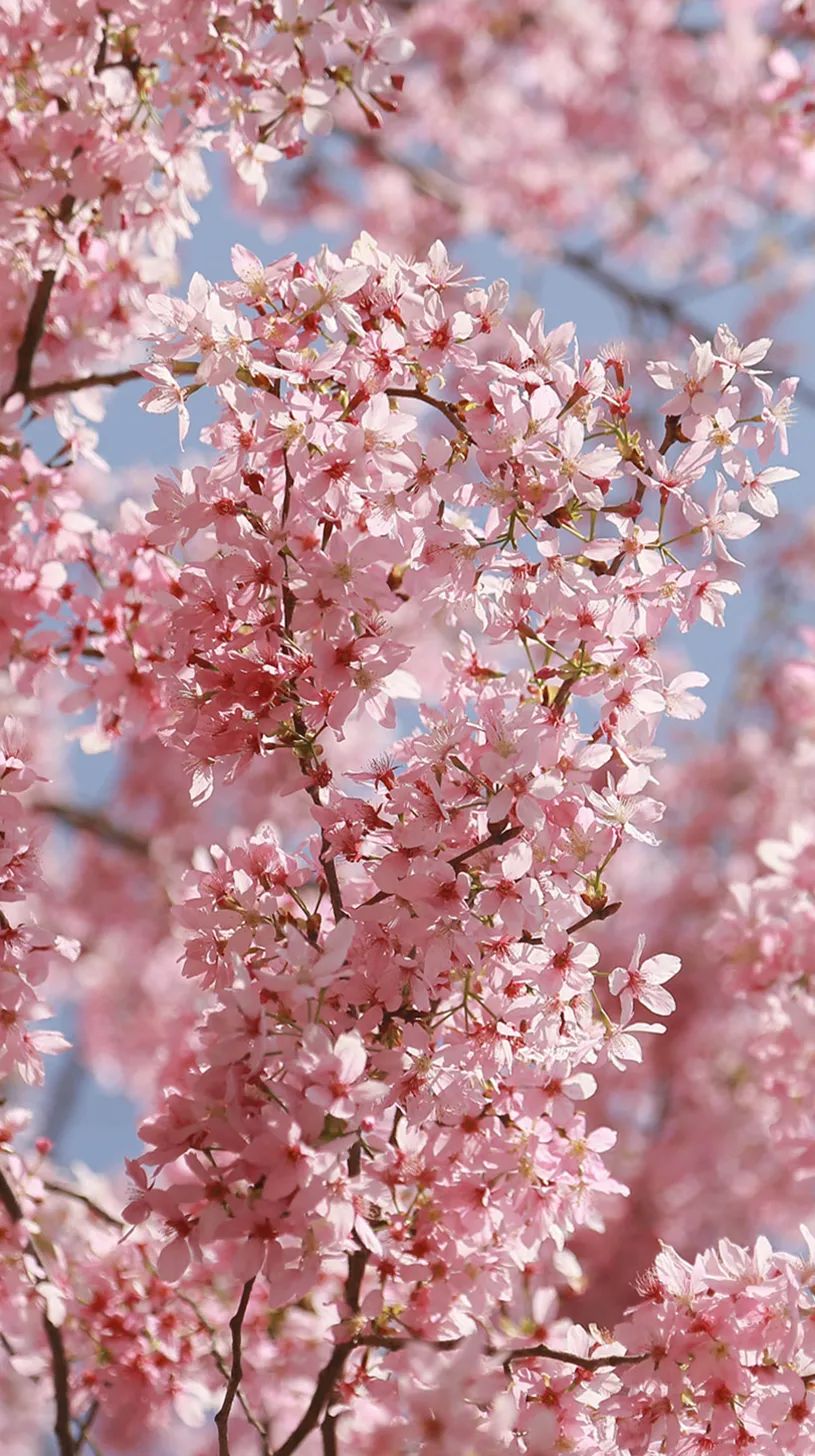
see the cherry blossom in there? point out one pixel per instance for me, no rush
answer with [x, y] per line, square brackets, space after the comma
[375, 909]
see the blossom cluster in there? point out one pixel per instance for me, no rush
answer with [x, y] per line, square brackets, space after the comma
[108, 114]
[393, 642]
[732, 891]
[25, 951]
[402, 1016]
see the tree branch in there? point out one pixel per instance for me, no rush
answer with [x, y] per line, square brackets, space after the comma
[639, 299]
[35, 323]
[179, 367]
[600, 912]
[323, 1390]
[448, 410]
[236, 1371]
[584, 1362]
[260, 1427]
[332, 1370]
[88, 381]
[90, 821]
[56, 1345]
[493, 841]
[62, 1190]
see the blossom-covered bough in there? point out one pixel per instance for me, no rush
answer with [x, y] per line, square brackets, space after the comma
[382, 666]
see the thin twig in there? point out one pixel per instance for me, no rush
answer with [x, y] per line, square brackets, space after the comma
[493, 841]
[584, 1362]
[178, 367]
[56, 1345]
[638, 299]
[236, 1371]
[62, 1190]
[223, 1370]
[448, 410]
[334, 892]
[90, 821]
[87, 381]
[35, 323]
[323, 1390]
[328, 1431]
[332, 1370]
[600, 912]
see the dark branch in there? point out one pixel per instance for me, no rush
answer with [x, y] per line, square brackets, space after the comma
[179, 367]
[600, 912]
[62, 1190]
[448, 410]
[502, 836]
[35, 323]
[642, 300]
[59, 1359]
[90, 821]
[443, 189]
[87, 381]
[584, 1362]
[328, 1431]
[493, 841]
[236, 1371]
[323, 1390]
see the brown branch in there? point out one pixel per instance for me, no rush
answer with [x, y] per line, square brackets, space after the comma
[332, 880]
[85, 1425]
[493, 841]
[332, 1370]
[56, 1345]
[448, 410]
[426, 180]
[327, 860]
[236, 1371]
[90, 821]
[435, 184]
[584, 1362]
[644, 300]
[600, 912]
[284, 513]
[357, 1263]
[62, 1190]
[35, 323]
[223, 1370]
[401, 1342]
[328, 1431]
[178, 367]
[87, 381]
[638, 299]
[528, 1352]
[323, 1390]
